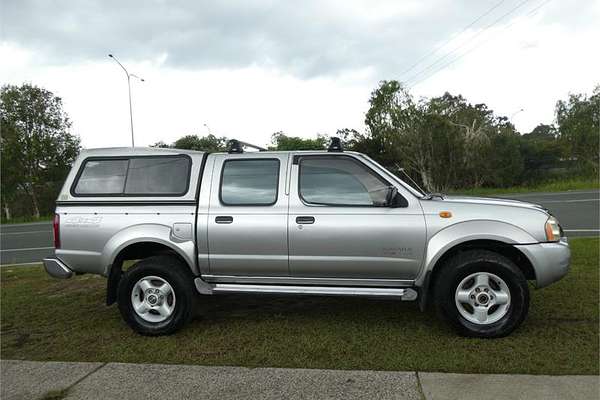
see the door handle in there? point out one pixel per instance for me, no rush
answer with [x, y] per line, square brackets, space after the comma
[305, 220]
[224, 220]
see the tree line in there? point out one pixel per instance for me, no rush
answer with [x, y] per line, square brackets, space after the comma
[444, 143]
[447, 143]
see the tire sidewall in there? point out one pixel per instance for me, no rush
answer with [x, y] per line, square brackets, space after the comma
[519, 297]
[183, 300]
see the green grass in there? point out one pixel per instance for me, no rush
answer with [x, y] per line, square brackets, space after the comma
[556, 186]
[47, 319]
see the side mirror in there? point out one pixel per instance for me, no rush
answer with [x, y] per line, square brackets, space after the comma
[395, 199]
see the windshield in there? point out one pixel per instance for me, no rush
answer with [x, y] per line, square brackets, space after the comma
[408, 184]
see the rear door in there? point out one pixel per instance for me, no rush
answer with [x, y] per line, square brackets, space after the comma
[339, 227]
[247, 216]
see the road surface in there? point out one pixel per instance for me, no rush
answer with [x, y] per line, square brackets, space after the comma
[577, 211]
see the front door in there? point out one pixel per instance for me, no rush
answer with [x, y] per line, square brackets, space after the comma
[247, 217]
[341, 228]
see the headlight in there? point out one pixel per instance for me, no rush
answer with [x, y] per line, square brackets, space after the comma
[552, 230]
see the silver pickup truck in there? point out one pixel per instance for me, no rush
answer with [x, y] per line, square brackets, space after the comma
[295, 222]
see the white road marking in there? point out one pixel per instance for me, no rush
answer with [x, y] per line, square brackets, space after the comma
[27, 249]
[21, 264]
[542, 194]
[567, 201]
[22, 233]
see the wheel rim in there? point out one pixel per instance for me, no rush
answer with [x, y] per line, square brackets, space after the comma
[482, 298]
[153, 299]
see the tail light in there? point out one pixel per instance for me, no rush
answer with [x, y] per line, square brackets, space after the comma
[56, 230]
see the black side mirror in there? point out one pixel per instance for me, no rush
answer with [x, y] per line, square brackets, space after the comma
[390, 196]
[394, 199]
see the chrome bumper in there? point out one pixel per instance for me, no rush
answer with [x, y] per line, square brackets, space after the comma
[551, 261]
[57, 269]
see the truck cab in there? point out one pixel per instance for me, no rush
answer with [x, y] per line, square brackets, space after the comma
[296, 222]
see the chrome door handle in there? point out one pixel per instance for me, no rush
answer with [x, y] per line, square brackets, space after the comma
[305, 220]
[224, 219]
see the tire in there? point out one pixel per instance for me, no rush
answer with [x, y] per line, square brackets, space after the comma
[477, 310]
[160, 311]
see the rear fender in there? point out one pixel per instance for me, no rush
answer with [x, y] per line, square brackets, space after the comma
[154, 233]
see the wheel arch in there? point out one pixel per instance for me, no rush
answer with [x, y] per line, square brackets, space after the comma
[499, 237]
[507, 250]
[137, 250]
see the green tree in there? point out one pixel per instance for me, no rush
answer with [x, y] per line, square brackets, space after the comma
[37, 147]
[210, 143]
[578, 120]
[541, 150]
[391, 115]
[281, 141]
[445, 141]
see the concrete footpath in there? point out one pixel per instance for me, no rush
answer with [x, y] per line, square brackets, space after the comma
[67, 380]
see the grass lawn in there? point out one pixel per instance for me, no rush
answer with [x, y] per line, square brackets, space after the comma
[47, 319]
[557, 186]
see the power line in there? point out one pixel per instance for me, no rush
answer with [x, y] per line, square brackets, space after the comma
[452, 39]
[496, 21]
[530, 13]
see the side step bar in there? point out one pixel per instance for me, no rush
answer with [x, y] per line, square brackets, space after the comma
[218, 288]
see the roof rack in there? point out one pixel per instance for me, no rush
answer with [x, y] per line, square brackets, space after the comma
[336, 145]
[237, 146]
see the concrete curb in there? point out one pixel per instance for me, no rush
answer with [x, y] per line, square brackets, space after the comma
[438, 386]
[34, 380]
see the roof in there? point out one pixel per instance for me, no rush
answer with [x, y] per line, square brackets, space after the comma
[129, 151]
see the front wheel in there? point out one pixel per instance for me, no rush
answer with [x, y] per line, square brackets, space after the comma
[156, 296]
[482, 294]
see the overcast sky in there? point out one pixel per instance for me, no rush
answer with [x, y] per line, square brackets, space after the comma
[247, 69]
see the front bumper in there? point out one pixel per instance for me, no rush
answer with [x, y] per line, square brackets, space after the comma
[550, 261]
[56, 268]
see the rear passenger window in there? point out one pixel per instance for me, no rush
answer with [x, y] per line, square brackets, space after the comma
[249, 182]
[102, 177]
[148, 176]
[136, 176]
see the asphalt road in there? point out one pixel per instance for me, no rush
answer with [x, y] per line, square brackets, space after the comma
[25, 243]
[577, 211]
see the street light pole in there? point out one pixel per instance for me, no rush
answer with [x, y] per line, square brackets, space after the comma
[129, 91]
[515, 113]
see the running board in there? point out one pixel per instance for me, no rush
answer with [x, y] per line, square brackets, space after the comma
[218, 288]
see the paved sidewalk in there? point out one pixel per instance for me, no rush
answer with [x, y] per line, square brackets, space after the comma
[39, 380]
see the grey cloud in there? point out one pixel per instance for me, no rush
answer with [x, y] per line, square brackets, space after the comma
[307, 39]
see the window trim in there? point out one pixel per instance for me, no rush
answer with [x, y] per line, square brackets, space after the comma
[300, 158]
[129, 158]
[223, 203]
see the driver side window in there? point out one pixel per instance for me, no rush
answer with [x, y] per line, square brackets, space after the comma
[340, 181]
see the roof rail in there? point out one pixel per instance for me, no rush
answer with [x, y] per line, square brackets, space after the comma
[336, 145]
[237, 146]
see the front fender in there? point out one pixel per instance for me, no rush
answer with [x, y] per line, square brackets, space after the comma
[462, 232]
[154, 233]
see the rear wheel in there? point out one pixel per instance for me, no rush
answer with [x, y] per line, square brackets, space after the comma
[482, 294]
[156, 296]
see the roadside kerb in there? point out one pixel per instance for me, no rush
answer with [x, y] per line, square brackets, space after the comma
[34, 380]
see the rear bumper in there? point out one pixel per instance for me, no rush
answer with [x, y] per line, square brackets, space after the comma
[56, 268]
[551, 261]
